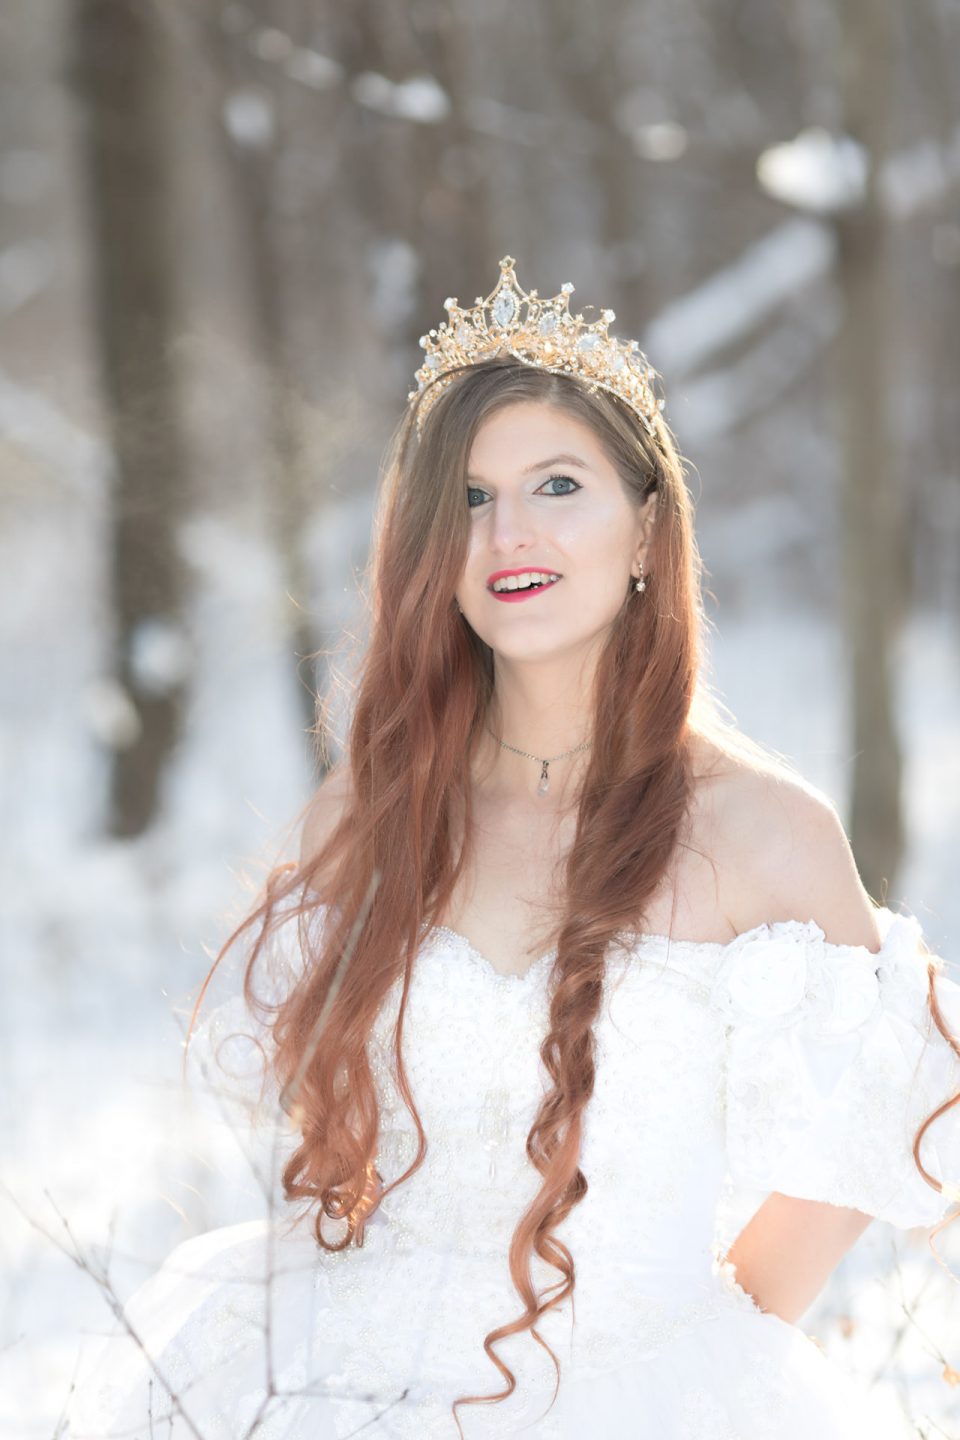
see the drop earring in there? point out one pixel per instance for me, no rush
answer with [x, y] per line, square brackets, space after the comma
[641, 584]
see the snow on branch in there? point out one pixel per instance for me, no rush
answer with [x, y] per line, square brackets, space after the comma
[31, 422]
[735, 301]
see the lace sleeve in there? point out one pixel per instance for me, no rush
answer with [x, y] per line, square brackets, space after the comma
[833, 1061]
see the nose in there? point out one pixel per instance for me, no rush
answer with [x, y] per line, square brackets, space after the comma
[512, 527]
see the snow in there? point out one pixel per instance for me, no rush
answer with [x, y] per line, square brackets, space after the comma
[29, 421]
[393, 270]
[735, 300]
[816, 171]
[639, 113]
[826, 174]
[665, 140]
[160, 654]
[270, 44]
[717, 402]
[249, 118]
[819, 174]
[420, 98]
[110, 712]
[312, 68]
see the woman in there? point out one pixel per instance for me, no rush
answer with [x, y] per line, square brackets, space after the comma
[563, 952]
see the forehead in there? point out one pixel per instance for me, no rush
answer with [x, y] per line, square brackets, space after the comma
[527, 436]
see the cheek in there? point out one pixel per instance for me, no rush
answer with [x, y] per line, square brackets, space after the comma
[478, 563]
[597, 542]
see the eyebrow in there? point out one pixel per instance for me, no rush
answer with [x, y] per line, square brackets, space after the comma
[545, 464]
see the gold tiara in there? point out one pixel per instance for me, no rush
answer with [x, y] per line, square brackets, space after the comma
[546, 336]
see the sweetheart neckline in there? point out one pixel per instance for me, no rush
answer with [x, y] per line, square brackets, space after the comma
[638, 938]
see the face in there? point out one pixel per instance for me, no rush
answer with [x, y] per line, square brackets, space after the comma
[545, 498]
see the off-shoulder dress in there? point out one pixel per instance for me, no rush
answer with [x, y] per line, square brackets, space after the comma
[774, 1062]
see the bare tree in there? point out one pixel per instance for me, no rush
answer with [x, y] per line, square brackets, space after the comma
[117, 68]
[874, 546]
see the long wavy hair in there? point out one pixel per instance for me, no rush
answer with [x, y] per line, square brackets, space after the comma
[423, 692]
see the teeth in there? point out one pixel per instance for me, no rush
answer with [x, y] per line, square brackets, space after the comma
[523, 582]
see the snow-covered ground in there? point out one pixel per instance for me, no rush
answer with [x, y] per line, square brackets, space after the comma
[103, 942]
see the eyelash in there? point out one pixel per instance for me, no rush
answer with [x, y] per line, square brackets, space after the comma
[549, 478]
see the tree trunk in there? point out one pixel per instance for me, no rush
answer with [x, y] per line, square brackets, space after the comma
[117, 60]
[873, 539]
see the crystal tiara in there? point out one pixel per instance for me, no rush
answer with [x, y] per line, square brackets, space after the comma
[546, 336]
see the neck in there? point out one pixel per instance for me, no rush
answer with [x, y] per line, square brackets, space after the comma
[546, 712]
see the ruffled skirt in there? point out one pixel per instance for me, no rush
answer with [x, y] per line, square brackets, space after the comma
[242, 1332]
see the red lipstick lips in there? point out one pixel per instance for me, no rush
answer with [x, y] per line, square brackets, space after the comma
[513, 596]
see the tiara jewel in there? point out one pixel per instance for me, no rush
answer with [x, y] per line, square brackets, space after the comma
[537, 332]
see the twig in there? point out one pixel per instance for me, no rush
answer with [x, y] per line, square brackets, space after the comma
[78, 1258]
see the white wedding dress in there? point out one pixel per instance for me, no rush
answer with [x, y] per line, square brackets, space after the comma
[777, 1061]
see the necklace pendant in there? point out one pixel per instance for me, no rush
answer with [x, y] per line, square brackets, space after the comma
[544, 784]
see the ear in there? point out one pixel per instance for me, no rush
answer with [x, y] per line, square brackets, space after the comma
[647, 517]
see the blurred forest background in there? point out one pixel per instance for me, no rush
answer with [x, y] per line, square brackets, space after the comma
[224, 228]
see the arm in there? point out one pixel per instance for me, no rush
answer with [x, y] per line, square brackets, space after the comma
[787, 1252]
[790, 859]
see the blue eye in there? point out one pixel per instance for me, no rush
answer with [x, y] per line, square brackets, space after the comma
[564, 479]
[567, 479]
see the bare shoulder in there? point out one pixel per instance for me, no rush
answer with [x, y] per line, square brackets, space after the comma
[782, 852]
[324, 813]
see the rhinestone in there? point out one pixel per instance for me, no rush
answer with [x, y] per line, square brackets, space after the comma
[588, 343]
[618, 362]
[608, 315]
[566, 288]
[548, 323]
[434, 361]
[449, 303]
[423, 341]
[464, 334]
[505, 308]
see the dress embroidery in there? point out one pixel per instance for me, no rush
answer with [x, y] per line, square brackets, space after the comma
[774, 1062]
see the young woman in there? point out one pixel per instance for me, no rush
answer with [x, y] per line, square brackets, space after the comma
[563, 953]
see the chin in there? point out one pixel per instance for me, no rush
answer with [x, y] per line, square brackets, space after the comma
[544, 647]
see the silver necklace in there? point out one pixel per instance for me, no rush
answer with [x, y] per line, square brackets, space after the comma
[544, 783]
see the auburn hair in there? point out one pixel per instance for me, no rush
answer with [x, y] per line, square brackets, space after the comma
[423, 690]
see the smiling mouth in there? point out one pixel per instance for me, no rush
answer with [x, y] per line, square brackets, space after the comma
[526, 592]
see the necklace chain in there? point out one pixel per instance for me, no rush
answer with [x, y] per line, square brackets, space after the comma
[544, 783]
